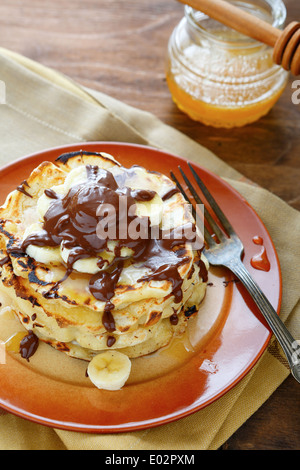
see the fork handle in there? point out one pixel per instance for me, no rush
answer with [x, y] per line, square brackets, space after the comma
[289, 345]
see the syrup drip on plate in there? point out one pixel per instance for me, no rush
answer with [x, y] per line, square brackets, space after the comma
[260, 260]
[23, 342]
[29, 345]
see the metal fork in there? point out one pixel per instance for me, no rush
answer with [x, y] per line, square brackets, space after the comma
[227, 251]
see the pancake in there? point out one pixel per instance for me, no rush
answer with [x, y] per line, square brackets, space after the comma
[96, 256]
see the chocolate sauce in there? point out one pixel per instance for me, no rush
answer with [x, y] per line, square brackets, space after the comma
[203, 270]
[142, 194]
[22, 189]
[170, 193]
[4, 260]
[174, 319]
[72, 222]
[108, 319]
[110, 341]
[102, 285]
[29, 345]
[167, 271]
[51, 194]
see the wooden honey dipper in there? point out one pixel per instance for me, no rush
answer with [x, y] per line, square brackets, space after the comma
[286, 43]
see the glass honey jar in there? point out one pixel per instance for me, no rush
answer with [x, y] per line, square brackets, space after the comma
[220, 77]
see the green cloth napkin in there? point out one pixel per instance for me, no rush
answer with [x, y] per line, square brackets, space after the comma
[46, 109]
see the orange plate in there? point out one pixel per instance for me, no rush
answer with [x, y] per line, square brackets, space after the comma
[223, 358]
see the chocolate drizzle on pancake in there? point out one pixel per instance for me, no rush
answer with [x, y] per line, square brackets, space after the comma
[4, 260]
[170, 193]
[22, 189]
[51, 194]
[71, 221]
[110, 341]
[174, 319]
[142, 194]
[203, 270]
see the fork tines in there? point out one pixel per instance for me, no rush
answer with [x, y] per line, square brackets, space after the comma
[214, 227]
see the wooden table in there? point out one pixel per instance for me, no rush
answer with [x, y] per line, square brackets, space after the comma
[119, 47]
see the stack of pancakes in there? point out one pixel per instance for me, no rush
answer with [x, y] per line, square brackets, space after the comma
[157, 286]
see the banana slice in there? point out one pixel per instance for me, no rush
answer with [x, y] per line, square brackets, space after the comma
[42, 254]
[45, 255]
[109, 370]
[85, 265]
[43, 204]
[76, 176]
[152, 209]
[44, 201]
[91, 265]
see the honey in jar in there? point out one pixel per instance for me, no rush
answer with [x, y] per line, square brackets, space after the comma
[220, 77]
